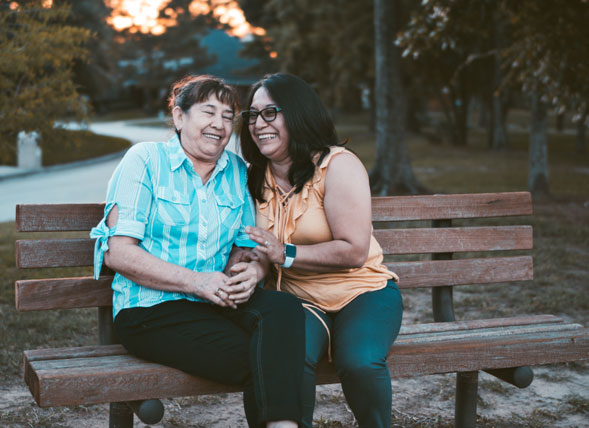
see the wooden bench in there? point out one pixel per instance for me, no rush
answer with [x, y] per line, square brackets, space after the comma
[416, 230]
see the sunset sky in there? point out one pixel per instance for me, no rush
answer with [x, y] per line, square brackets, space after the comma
[143, 15]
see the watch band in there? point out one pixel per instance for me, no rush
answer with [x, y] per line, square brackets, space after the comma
[290, 252]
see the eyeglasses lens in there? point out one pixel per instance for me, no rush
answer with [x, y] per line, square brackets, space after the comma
[268, 114]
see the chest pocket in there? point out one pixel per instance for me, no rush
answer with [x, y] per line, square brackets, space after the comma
[230, 210]
[173, 207]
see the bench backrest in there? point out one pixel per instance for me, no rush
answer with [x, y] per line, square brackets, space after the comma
[416, 234]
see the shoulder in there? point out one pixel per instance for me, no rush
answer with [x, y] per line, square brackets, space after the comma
[145, 151]
[342, 161]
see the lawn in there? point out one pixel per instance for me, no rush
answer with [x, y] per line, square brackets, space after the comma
[561, 236]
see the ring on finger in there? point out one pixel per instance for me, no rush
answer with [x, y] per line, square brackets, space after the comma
[266, 243]
[218, 292]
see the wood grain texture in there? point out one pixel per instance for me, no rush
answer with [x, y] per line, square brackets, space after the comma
[41, 253]
[94, 377]
[85, 292]
[454, 239]
[57, 217]
[63, 293]
[442, 207]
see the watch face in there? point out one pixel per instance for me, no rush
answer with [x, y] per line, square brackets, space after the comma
[290, 250]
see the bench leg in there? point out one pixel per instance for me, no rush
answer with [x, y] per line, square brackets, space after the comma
[121, 416]
[465, 412]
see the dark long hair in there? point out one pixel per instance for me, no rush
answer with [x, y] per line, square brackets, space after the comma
[310, 130]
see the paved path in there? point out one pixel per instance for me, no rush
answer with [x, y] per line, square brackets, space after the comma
[79, 182]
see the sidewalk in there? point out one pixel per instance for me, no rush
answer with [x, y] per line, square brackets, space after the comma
[83, 181]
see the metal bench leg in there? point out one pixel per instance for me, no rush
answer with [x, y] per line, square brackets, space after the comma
[465, 412]
[121, 416]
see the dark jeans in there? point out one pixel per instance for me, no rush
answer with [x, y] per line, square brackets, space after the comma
[361, 335]
[260, 345]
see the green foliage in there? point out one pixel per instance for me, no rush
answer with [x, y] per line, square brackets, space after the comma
[329, 44]
[544, 44]
[37, 51]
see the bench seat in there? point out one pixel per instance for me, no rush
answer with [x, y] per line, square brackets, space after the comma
[100, 374]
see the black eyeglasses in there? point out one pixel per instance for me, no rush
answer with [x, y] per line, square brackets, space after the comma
[268, 114]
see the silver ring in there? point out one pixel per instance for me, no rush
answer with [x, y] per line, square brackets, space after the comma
[266, 243]
[218, 292]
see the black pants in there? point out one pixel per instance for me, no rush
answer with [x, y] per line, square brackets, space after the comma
[261, 345]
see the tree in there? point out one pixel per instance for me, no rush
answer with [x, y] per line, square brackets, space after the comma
[540, 45]
[97, 75]
[153, 62]
[37, 53]
[392, 172]
[449, 43]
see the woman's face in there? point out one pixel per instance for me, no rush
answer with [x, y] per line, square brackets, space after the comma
[270, 137]
[204, 129]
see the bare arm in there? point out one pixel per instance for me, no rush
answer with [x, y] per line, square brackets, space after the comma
[348, 210]
[127, 258]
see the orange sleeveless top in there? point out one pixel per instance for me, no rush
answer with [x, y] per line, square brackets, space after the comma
[301, 220]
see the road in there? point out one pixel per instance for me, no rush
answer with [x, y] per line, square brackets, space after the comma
[79, 182]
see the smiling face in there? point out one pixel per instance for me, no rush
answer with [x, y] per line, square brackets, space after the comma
[204, 129]
[270, 137]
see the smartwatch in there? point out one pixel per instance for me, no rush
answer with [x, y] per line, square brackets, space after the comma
[290, 252]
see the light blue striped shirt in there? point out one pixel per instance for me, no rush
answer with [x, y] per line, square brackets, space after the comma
[163, 203]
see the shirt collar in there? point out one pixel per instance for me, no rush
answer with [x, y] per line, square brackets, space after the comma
[178, 156]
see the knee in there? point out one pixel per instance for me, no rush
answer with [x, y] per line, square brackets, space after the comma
[359, 365]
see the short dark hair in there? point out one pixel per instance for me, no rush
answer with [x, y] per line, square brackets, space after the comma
[310, 130]
[194, 89]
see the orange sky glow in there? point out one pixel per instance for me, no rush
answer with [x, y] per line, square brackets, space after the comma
[143, 15]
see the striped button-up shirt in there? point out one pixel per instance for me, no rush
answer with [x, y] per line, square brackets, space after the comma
[163, 203]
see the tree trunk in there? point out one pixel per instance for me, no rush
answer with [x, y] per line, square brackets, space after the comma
[538, 151]
[498, 134]
[581, 129]
[392, 172]
[460, 100]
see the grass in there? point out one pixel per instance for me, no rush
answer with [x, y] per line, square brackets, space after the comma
[561, 236]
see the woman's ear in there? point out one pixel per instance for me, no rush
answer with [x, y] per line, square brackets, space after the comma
[177, 116]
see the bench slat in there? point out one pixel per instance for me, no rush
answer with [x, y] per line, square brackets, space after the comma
[454, 239]
[85, 292]
[41, 253]
[84, 380]
[445, 207]
[57, 217]
[72, 217]
[63, 293]
[436, 273]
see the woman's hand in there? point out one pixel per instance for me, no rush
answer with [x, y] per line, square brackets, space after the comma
[243, 281]
[215, 287]
[269, 244]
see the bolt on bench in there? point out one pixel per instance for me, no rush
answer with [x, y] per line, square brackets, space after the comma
[504, 347]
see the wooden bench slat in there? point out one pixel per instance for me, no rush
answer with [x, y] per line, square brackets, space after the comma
[437, 273]
[71, 217]
[454, 239]
[57, 217]
[441, 207]
[63, 293]
[85, 292]
[41, 253]
[478, 324]
[94, 380]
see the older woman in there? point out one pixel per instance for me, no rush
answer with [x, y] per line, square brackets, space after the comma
[314, 225]
[175, 212]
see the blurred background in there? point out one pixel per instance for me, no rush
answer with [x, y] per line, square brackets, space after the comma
[503, 76]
